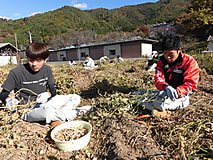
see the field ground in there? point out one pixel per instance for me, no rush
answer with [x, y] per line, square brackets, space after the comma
[186, 134]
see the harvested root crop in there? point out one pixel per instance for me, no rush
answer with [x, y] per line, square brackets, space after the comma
[69, 134]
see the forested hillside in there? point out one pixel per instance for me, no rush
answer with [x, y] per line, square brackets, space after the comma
[47, 26]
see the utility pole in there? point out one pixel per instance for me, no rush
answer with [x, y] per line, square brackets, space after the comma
[30, 37]
[78, 51]
[16, 47]
[16, 41]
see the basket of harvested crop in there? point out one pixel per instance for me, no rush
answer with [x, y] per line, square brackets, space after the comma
[71, 136]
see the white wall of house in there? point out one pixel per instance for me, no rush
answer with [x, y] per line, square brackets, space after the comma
[112, 51]
[146, 49]
[210, 47]
[5, 60]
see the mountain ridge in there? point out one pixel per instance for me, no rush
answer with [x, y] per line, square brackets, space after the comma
[46, 26]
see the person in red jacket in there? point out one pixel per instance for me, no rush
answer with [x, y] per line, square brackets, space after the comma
[177, 76]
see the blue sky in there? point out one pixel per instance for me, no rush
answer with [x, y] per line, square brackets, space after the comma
[15, 9]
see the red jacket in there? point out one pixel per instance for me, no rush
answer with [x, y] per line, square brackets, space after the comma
[183, 74]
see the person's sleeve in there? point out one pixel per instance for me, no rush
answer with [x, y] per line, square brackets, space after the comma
[191, 78]
[3, 95]
[51, 83]
[51, 79]
[160, 82]
[10, 83]
[52, 90]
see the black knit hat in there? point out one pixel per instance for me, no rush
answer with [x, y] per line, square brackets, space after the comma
[171, 41]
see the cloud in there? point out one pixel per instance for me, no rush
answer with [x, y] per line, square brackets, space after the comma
[74, 2]
[16, 14]
[33, 14]
[81, 5]
[5, 18]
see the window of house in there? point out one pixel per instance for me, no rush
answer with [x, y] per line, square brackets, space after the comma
[83, 54]
[112, 52]
[61, 56]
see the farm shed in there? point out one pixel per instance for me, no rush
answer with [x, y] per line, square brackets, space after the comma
[210, 40]
[7, 49]
[8, 54]
[210, 46]
[135, 48]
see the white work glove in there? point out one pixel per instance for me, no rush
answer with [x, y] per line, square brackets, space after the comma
[11, 103]
[171, 93]
[43, 97]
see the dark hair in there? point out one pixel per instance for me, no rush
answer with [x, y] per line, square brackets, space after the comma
[37, 51]
[171, 41]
